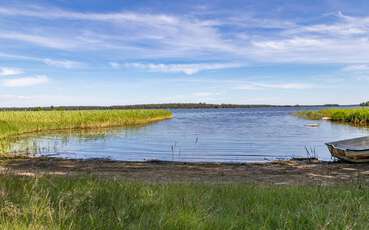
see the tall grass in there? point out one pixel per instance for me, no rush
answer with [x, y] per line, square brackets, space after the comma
[18, 122]
[355, 116]
[14, 123]
[91, 203]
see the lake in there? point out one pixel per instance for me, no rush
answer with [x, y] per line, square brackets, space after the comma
[201, 135]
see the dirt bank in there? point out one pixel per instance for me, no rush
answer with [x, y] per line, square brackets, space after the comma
[278, 172]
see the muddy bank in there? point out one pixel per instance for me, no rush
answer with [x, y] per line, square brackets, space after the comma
[278, 172]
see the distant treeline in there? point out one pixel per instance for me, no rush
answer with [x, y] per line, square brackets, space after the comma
[152, 106]
[365, 103]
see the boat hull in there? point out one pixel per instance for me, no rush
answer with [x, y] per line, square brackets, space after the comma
[355, 156]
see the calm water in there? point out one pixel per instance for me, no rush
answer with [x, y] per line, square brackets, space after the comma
[219, 135]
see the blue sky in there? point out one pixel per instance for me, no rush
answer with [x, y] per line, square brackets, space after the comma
[92, 52]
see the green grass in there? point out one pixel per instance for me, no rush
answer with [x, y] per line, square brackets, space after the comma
[15, 123]
[355, 116]
[91, 203]
[19, 122]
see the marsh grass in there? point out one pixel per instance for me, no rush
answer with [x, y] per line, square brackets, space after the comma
[354, 116]
[93, 203]
[16, 123]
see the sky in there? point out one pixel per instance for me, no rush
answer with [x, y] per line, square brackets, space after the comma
[119, 52]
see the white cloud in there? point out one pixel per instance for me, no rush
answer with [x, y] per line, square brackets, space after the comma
[62, 63]
[339, 29]
[342, 39]
[357, 71]
[7, 71]
[40, 40]
[292, 43]
[204, 94]
[284, 86]
[44, 13]
[247, 86]
[14, 97]
[246, 21]
[26, 81]
[67, 64]
[356, 68]
[168, 35]
[188, 69]
[311, 50]
[193, 97]
[115, 65]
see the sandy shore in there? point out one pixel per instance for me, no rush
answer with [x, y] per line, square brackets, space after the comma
[278, 172]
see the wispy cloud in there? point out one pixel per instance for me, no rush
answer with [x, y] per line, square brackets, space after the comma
[341, 39]
[8, 71]
[40, 40]
[14, 97]
[194, 97]
[115, 65]
[18, 57]
[40, 12]
[169, 35]
[357, 71]
[282, 86]
[188, 69]
[26, 81]
[203, 94]
[343, 26]
[67, 64]
[60, 63]
[356, 68]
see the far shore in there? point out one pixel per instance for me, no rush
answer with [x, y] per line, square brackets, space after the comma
[167, 106]
[288, 172]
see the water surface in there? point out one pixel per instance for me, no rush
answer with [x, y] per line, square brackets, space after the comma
[211, 135]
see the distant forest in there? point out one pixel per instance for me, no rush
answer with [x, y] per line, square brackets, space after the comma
[152, 106]
[365, 103]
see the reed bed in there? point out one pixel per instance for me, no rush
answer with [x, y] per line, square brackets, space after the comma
[354, 116]
[14, 123]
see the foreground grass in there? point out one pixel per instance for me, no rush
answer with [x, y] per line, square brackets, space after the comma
[18, 122]
[356, 116]
[91, 203]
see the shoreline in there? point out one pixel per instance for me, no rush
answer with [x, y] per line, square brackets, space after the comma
[169, 106]
[286, 172]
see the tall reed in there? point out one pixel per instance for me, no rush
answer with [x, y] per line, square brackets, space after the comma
[355, 116]
[14, 123]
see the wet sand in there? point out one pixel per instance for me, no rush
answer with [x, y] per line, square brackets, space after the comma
[272, 173]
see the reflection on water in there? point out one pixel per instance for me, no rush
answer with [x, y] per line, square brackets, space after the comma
[51, 143]
[221, 135]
